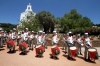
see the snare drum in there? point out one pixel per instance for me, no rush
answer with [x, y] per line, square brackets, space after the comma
[39, 49]
[73, 51]
[10, 44]
[23, 46]
[92, 53]
[55, 50]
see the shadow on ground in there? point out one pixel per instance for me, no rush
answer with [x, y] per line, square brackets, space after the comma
[25, 53]
[1, 49]
[71, 59]
[53, 57]
[86, 60]
[12, 52]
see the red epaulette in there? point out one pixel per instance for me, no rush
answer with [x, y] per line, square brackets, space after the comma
[0, 32]
[52, 36]
[76, 38]
[83, 39]
[28, 33]
[66, 37]
[91, 38]
[42, 36]
[58, 36]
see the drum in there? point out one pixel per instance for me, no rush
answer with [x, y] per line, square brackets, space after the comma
[92, 53]
[10, 44]
[39, 49]
[73, 51]
[23, 46]
[55, 50]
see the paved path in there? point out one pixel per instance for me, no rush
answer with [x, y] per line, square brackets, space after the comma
[30, 59]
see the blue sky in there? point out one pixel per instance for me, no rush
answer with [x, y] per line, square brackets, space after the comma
[10, 9]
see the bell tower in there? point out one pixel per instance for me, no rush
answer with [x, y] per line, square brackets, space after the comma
[29, 7]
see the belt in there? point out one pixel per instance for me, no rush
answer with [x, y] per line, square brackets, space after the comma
[87, 44]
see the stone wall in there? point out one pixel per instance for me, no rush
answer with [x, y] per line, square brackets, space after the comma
[96, 43]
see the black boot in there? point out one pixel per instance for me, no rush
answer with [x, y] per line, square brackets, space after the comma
[32, 49]
[21, 53]
[89, 59]
[24, 53]
[45, 47]
[51, 56]
[29, 48]
[81, 53]
[13, 51]
[65, 52]
[37, 56]
[69, 57]
[17, 44]
[62, 48]
[85, 59]
[56, 58]
[9, 51]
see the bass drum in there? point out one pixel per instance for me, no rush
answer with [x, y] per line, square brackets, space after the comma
[10, 44]
[23, 46]
[39, 50]
[92, 53]
[55, 50]
[73, 51]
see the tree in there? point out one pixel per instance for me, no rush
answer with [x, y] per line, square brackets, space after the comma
[57, 24]
[86, 22]
[70, 20]
[73, 20]
[46, 20]
[30, 22]
[7, 26]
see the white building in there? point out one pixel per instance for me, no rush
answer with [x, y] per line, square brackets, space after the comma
[23, 15]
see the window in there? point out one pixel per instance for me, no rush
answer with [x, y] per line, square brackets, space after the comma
[28, 8]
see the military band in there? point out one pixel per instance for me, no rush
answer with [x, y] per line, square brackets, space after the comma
[39, 41]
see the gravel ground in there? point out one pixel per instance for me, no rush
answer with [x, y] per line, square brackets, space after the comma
[15, 59]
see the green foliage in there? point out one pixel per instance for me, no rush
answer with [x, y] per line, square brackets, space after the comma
[7, 26]
[47, 21]
[98, 25]
[31, 23]
[86, 22]
[73, 20]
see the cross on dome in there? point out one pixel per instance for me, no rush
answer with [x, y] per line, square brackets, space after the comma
[29, 3]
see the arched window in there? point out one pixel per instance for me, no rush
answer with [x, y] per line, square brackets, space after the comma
[28, 8]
